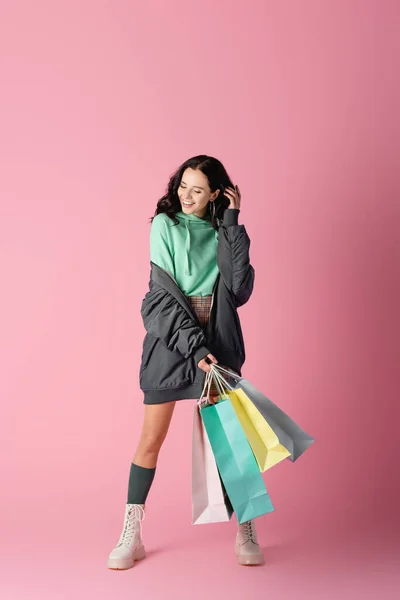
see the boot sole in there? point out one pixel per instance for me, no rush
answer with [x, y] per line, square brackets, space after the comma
[126, 563]
[249, 559]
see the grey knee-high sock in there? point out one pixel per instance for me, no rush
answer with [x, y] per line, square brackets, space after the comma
[140, 480]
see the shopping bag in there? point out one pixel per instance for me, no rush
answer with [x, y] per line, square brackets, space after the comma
[290, 435]
[264, 442]
[210, 502]
[235, 460]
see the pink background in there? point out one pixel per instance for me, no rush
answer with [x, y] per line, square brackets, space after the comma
[100, 102]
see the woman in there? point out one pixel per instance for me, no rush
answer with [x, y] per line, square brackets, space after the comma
[200, 274]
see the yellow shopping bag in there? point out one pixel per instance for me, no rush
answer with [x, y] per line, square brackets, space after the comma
[263, 440]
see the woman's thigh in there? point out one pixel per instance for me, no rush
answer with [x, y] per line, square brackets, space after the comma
[157, 418]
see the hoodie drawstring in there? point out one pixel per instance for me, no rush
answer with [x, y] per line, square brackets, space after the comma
[187, 248]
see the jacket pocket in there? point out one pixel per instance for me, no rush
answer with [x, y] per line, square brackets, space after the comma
[162, 368]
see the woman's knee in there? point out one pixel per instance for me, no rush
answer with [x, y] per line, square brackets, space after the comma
[150, 443]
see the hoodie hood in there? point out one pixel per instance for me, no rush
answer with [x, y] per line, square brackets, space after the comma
[193, 224]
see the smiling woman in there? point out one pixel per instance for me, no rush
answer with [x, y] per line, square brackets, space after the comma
[195, 198]
[194, 193]
[200, 275]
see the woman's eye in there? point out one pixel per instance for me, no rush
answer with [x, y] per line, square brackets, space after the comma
[184, 188]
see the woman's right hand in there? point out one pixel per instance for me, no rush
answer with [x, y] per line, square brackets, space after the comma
[204, 365]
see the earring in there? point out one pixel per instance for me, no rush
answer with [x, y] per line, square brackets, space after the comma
[213, 209]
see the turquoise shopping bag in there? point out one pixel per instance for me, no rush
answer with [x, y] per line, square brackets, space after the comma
[236, 462]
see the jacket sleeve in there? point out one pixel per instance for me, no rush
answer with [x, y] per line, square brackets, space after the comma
[164, 318]
[233, 257]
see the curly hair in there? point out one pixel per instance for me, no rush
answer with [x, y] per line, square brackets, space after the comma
[218, 178]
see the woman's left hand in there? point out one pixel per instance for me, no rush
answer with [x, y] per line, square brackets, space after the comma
[234, 195]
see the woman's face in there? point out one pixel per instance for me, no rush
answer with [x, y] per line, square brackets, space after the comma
[194, 193]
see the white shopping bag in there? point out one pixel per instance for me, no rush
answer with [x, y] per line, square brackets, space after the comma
[210, 503]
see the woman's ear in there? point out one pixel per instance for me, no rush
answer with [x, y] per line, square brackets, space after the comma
[214, 196]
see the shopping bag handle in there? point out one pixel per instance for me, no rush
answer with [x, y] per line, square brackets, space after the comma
[215, 376]
[206, 383]
[231, 373]
[221, 378]
[211, 375]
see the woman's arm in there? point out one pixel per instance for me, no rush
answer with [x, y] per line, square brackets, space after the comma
[233, 257]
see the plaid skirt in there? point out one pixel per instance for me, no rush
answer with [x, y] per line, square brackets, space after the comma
[202, 306]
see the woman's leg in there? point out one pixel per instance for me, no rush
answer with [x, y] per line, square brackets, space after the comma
[130, 546]
[157, 419]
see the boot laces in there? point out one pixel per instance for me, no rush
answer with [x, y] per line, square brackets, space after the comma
[133, 522]
[249, 533]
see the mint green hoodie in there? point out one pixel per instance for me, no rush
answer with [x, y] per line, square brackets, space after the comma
[188, 251]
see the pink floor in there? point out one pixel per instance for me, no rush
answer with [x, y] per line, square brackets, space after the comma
[49, 559]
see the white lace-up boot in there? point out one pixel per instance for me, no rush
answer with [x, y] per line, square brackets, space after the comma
[130, 544]
[247, 549]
